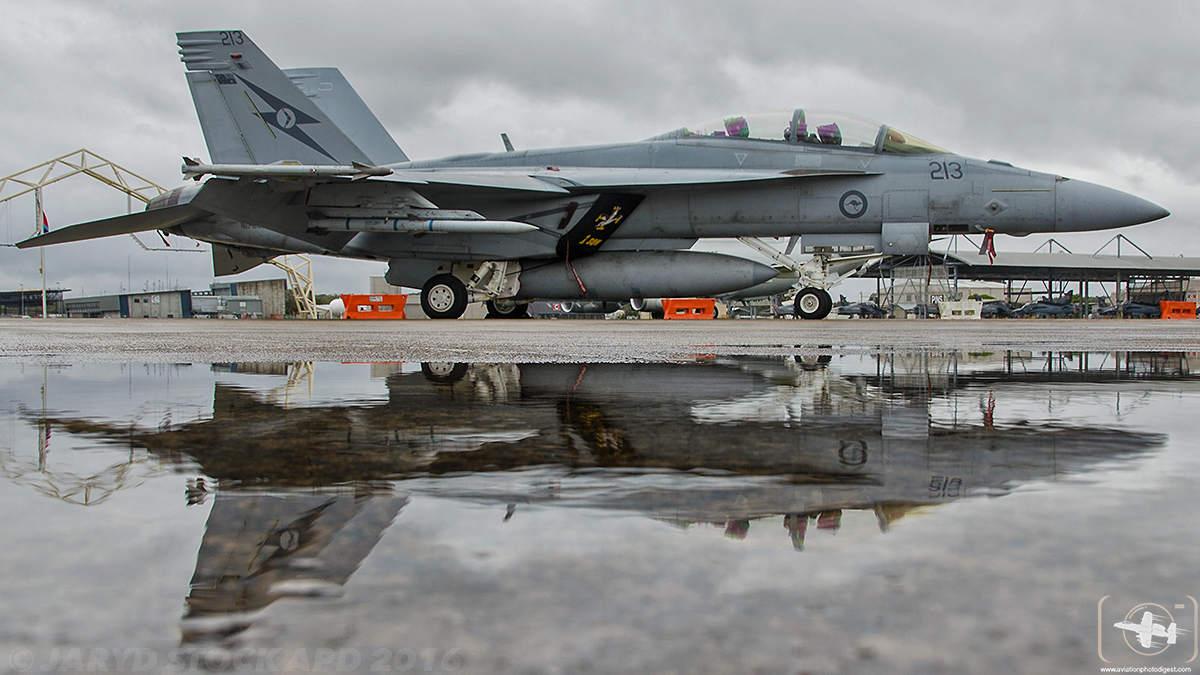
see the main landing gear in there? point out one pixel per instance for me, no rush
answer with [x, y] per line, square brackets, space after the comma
[812, 303]
[507, 309]
[444, 297]
[446, 294]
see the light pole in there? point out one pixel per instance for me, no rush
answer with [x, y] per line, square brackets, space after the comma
[41, 228]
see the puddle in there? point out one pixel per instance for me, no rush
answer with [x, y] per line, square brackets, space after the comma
[813, 513]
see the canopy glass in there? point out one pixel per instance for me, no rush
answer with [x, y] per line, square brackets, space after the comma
[812, 126]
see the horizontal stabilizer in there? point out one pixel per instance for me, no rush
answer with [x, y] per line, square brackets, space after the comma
[158, 219]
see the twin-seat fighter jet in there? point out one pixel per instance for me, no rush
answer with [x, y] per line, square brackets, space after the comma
[300, 165]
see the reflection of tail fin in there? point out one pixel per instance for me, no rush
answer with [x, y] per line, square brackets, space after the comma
[1171, 634]
[249, 110]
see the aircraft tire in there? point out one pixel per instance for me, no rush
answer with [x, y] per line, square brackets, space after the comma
[444, 297]
[507, 309]
[812, 303]
[444, 373]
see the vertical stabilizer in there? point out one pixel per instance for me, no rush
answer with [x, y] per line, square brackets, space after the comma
[251, 112]
[332, 93]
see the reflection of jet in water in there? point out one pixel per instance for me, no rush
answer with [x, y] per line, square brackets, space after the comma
[304, 494]
[728, 441]
[1147, 630]
[759, 437]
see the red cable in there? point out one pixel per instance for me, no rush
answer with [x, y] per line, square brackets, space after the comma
[567, 260]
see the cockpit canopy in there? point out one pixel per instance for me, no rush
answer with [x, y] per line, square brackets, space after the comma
[812, 127]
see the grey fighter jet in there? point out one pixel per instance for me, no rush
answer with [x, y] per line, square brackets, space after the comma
[300, 165]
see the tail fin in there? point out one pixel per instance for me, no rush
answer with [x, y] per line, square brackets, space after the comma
[249, 110]
[328, 88]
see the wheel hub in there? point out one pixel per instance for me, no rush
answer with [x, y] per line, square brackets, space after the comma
[441, 297]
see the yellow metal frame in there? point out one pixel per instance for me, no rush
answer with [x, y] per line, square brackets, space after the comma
[300, 283]
[79, 162]
[88, 163]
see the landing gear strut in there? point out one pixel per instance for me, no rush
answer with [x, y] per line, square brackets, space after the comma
[812, 303]
[444, 297]
[819, 273]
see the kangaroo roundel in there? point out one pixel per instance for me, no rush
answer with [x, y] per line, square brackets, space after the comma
[286, 118]
[853, 204]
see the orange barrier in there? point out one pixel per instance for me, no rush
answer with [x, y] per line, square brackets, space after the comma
[387, 306]
[688, 308]
[1177, 310]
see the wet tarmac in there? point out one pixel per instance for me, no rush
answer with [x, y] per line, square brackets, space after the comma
[673, 506]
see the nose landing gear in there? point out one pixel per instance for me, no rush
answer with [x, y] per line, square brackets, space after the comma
[813, 303]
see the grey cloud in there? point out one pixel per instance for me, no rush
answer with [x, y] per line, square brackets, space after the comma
[1073, 84]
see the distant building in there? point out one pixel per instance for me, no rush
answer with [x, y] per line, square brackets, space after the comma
[208, 306]
[272, 293]
[160, 305]
[95, 307]
[231, 301]
[148, 305]
[28, 302]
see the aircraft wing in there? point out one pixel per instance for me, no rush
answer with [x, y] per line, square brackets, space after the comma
[519, 180]
[159, 219]
[584, 177]
[565, 179]
[552, 180]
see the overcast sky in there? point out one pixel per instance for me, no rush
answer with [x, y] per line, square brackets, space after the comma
[1107, 92]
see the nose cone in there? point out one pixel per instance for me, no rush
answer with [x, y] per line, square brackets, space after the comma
[1082, 206]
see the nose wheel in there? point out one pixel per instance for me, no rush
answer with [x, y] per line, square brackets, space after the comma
[444, 297]
[813, 303]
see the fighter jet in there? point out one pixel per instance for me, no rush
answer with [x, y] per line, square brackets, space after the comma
[1147, 630]
[300, 165]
